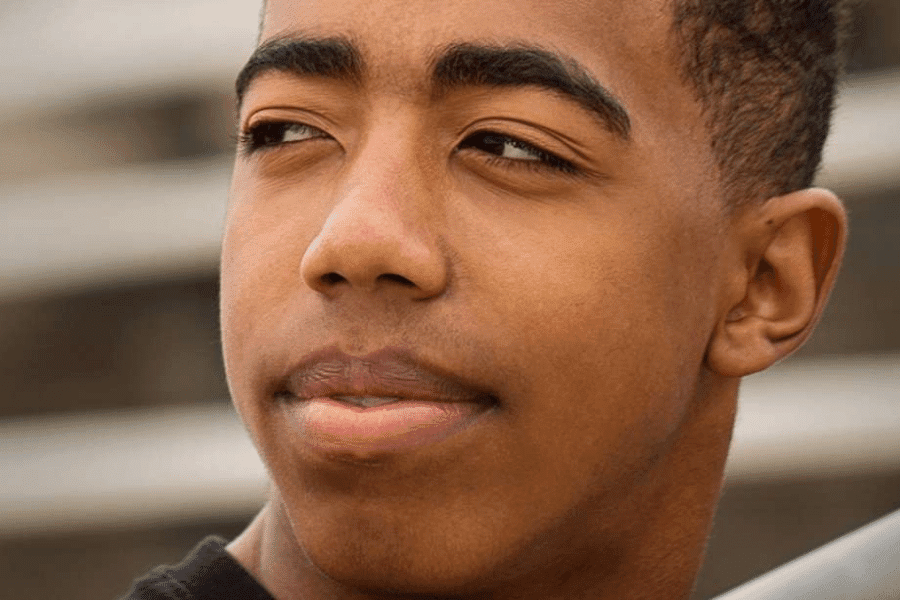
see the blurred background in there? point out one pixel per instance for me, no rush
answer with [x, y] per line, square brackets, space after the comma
[118, 448]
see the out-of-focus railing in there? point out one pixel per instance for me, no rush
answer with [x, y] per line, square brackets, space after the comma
[76, 52]
[82, 231]
[863, 565]
[820, 418]
[125, 469]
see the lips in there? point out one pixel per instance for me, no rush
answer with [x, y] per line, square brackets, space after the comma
[384, 402]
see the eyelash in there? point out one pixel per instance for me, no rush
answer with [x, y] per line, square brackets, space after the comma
[265, 135]
[544, 160]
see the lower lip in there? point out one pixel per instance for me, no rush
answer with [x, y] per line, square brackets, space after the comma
[334, 426]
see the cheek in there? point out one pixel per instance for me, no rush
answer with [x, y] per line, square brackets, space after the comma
[261, 252]
[608, 321]
[609, 284]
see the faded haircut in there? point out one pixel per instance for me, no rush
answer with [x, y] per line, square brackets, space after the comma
[765, 73]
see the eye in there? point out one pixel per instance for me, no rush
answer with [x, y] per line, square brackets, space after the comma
[269, 134]
[513, 150]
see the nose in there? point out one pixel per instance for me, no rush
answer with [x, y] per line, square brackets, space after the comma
[380, 237]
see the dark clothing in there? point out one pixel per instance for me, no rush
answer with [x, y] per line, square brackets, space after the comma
[207, 573]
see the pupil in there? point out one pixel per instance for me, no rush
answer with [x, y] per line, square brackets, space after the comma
[492, 143]
[268, 133]
[487, 142]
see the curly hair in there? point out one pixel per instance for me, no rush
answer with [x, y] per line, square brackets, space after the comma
[764, 72]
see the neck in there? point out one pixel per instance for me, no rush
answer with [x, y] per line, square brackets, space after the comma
[673, 512]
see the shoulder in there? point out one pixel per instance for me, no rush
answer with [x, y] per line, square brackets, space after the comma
[207, 573]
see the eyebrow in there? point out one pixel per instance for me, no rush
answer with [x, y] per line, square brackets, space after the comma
[333, 57]
[523, 65]
[456, 66]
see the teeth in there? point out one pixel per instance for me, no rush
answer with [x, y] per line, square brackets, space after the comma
[367, 401]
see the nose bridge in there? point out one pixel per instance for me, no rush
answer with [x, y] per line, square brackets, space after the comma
[382, 230]
[384, 178]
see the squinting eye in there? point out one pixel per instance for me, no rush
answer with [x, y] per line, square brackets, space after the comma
[514, 150]
[275, 133]
[501, 145]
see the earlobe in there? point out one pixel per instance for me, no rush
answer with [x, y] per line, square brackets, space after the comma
[788, 253]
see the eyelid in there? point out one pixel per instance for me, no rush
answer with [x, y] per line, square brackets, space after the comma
[254, 123]
[248, 144]
[546, 160]
[286, 113]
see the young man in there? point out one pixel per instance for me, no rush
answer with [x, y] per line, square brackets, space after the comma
[491, 275]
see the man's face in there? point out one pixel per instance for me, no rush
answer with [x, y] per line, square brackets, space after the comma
[490, 236]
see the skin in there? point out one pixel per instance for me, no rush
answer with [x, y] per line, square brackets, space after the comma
[612, 312]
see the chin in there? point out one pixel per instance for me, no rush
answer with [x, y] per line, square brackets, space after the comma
[397, 554]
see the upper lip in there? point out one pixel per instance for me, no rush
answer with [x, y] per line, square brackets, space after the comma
[386, 373]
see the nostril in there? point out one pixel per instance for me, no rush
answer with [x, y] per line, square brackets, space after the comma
[332, 278]
[394, 278]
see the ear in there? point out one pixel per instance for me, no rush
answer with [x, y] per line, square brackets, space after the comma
[785, 257]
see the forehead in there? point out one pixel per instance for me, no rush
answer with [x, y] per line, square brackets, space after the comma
[565, 17]
[571, 20]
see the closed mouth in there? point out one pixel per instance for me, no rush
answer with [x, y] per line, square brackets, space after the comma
[362, 408]
[379, 378]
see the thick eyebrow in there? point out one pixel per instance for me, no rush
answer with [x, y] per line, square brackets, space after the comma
[458, 65]
[522, 65]
[332, 57]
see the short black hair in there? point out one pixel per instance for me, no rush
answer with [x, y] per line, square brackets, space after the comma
[765, 74]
